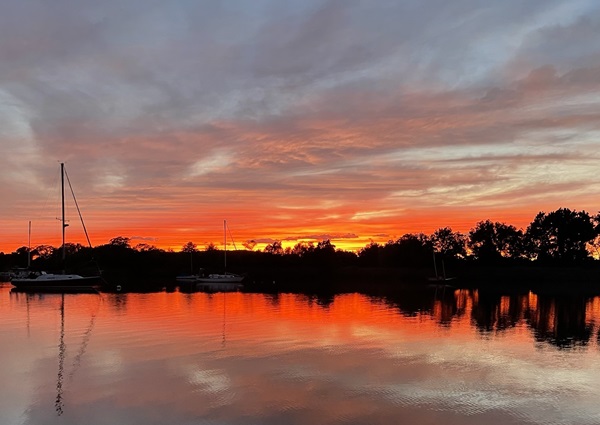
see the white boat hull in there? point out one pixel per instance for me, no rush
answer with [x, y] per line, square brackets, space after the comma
[214, 282]
[188, 279]
[57, 282]
[220, 278]
[212, 278]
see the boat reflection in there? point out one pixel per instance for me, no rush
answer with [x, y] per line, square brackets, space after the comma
[48, 295]
[561, 320]
[453, 356]
[210, 287]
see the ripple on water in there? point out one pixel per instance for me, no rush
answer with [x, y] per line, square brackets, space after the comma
[248, 358]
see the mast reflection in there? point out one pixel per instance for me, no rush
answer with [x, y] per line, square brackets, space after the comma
[62, 348]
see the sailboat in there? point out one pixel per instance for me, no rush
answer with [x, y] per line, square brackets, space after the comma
[216, 281]
[62, 281]
[439, 277]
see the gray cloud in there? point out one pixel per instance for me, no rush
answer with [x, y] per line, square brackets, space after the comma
[152, 103]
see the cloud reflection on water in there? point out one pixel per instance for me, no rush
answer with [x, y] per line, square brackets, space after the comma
[249, 358]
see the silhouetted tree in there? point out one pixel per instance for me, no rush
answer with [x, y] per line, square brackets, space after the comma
[302, 248]
[370, 255]
[448, 243]
[412, 249]
[144, 247]
[120, 241]
[324, 253]
[72, 248]
[274, 248]
[561, 235]
[43, 251]
[325, 246]
[20, 256]
[189, 247]
[491, 241]
[22, 251]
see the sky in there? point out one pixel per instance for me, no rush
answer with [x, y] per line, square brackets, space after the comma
[354, 121]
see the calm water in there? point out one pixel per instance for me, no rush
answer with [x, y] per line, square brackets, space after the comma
[418, 357]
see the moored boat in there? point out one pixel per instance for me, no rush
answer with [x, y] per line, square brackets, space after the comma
[439, 278]
[225, 281]
[57, 282]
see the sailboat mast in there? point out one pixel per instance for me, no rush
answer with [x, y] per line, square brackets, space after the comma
[29, 247]
[443, 269]
[225, 242]
[64, 225]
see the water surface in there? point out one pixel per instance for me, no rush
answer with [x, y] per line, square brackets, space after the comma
[418, 356]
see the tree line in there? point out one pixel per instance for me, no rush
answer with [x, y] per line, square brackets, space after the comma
[562, 237]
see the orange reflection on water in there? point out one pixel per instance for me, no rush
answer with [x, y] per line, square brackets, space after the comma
[592, 311]
[346, 358]
[350, 317]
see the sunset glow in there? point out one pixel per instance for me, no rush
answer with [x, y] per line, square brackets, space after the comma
[347, 121]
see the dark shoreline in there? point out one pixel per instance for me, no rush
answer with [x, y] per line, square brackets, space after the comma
[381, 280]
